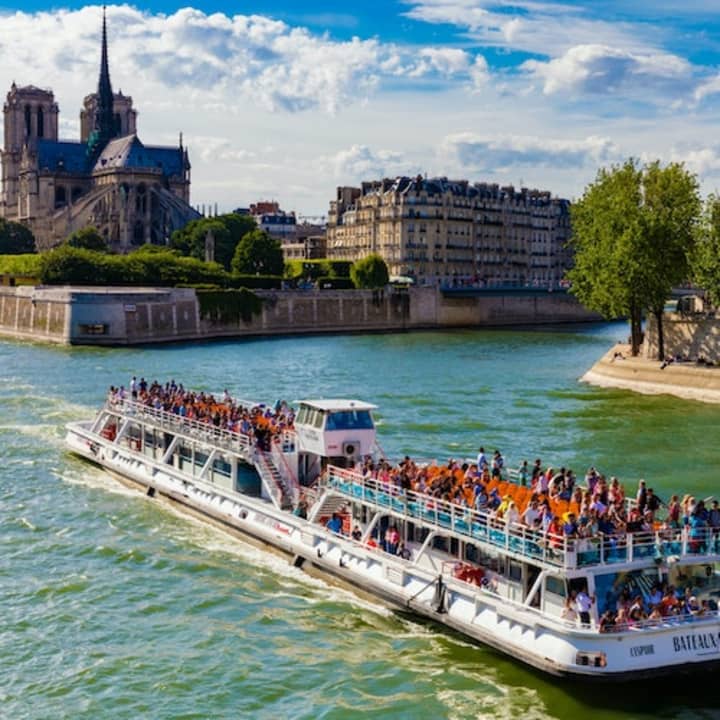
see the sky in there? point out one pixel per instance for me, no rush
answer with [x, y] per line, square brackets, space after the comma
[286, 100]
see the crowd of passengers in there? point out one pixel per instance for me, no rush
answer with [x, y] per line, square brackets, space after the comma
[632, 609]
[552, 501]
[261, 422]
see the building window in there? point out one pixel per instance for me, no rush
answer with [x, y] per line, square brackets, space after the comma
[40, 123]
[28, 121]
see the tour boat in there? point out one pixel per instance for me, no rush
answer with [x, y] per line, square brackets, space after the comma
[499, 583]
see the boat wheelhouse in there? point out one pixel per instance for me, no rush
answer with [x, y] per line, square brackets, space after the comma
[299, 488]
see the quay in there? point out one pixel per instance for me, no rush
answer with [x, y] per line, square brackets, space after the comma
[74, 315]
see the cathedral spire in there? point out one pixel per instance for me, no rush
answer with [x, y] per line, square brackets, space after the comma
[104, 125]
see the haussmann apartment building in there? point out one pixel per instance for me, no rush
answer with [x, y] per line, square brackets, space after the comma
[451, 231]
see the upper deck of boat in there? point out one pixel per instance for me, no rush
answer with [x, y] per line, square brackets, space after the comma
[520, 542]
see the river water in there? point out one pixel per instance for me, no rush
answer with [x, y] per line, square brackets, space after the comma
[114, 605]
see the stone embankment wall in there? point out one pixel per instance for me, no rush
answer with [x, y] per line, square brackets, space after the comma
[125, 316]
[616, 369]
[688, 335]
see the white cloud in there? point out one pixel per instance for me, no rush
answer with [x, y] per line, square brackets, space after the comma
[708, 87]
[215, 59]
[359, 162]
[535, 27]
[600, 69]
[482, 153]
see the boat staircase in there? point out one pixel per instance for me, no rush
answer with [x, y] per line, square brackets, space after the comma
[329, 505]
[276, 482]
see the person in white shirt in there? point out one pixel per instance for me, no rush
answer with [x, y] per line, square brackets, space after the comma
[583, 604]
[531, 514]
[482, 462]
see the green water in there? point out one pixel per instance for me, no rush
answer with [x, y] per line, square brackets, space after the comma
[115, 606]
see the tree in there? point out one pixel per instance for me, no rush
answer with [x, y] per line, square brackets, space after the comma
[258, 254]
[706, 258]
[370, 272]
[227, 231]
[87, 238]
[15, 239]
[633, 234]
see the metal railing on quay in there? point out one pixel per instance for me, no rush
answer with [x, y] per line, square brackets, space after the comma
[557, 550]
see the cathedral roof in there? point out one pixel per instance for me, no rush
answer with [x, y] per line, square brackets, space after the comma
[62, 156]
[129, 153]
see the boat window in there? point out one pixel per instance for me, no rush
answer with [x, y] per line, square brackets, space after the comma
[302, 415]
[317, 419]
[610, 587]
[349, 420]
[515, 571]
[149, 438]
[222, 467]
[555, 585]
[200, 459]
[185, 456]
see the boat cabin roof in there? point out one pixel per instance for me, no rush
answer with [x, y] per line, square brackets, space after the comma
[338, 405]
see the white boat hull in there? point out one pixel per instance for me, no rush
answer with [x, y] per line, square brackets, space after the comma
[519, 631]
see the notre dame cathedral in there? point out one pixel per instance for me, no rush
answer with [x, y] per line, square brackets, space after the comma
[132, 193]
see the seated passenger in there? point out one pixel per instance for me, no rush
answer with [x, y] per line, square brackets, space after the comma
[607, 622]
[334, 524]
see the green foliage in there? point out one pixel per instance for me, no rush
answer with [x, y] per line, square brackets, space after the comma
[370, 272]
[77, 265]
[228, 306]
[27, 265]
[258, 253]
[87, 238]
[706, 258]
[264, 282]
[227, 231]
[314, 269]
[15, 239]
[633, 234]
[335, 283]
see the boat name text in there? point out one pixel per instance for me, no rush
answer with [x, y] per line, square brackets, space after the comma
[697, 641]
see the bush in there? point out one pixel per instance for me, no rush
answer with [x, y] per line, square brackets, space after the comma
[76, 265]
[15, 239]
[314, 269]
[27, 265]
[88, 238]
[335, 283]
[370, 272]
[257, 282]
[257, 252]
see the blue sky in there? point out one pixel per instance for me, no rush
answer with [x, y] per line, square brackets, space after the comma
[287, 100]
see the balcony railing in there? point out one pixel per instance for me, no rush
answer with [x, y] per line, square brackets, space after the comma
[521, 541]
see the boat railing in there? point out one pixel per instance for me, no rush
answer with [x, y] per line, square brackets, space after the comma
[659, 546]
[173, 422]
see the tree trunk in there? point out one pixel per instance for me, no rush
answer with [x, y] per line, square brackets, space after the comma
[635, 329]
[660, 333]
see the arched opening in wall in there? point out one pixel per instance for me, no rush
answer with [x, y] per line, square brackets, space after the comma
[141, 199]
[118, 125]
[138, 233]
[60, 196]
[28, 121]
[76, 193]
[40, 123]
[124, 192]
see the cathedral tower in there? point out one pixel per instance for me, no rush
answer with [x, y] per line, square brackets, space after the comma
[30, 114]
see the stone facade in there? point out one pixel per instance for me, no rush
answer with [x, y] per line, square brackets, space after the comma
[440, 229]
[132, 193]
